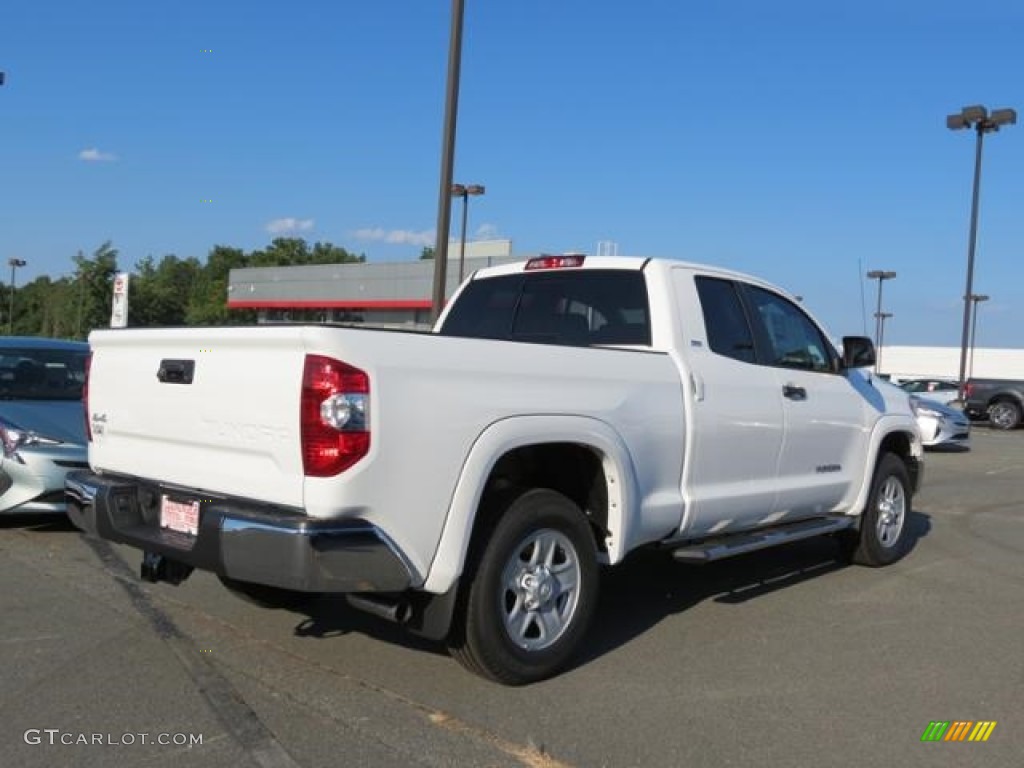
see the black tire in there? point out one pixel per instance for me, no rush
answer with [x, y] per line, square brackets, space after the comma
[883, 536]
[266, 596]
[530, 593]
[1004, 414]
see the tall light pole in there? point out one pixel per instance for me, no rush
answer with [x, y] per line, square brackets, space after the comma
[976, 299]
[978, 118]
[881, 276]
[444, 198]
[15, 263]
[880, 317]
[464, 191]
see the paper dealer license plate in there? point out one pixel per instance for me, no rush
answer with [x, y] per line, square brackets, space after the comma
[181, 516]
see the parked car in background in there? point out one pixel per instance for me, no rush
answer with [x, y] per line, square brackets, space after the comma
[940, 390]
[940, 425]
[1001, 400]
[42, 428]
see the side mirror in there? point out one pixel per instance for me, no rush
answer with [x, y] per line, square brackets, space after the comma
[858, 352]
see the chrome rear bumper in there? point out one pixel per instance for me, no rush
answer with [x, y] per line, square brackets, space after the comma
[241, 539]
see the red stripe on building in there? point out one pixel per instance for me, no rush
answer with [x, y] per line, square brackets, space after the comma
[330, 304]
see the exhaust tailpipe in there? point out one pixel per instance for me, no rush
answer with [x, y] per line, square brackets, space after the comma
[397, 611]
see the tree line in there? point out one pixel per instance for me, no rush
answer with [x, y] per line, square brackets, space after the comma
[168, 291]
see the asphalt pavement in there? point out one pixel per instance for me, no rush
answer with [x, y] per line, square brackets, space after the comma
[786, 657]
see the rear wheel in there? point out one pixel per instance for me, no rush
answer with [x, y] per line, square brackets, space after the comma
[883, 537]
[1004, 414]
[531, 593]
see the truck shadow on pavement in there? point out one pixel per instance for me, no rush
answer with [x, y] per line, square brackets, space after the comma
[650, 585]
[332, 616]
[951, 448]
[637, 594]
[37, 521]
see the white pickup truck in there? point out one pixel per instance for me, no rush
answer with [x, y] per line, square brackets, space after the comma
[469, 482]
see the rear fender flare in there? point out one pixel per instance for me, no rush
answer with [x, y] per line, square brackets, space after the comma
[518, 432]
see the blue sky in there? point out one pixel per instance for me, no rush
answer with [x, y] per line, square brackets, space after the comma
[800, 140]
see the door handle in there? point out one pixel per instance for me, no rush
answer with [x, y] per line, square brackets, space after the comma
[794, 392]
[698, 386]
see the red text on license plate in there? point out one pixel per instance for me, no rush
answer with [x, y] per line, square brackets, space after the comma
[181, 516]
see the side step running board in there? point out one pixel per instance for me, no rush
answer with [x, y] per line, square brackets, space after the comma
[708, 550]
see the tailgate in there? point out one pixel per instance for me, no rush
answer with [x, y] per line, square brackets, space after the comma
[232, 429]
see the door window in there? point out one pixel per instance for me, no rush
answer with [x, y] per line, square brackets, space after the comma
[724, 319]
[791, 339]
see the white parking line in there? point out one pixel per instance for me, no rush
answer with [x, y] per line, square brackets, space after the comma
[1004, 469]
[36, 639]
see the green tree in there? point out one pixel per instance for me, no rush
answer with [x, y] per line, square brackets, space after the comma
[30, 307]
[209, 297]
[426, 253]
[61, 314]
[169, 292]
[282, 251]
[96, 290]
[294, 251]
[160, 293]
[328, 253]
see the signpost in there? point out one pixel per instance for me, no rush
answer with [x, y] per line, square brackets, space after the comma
[119, 308]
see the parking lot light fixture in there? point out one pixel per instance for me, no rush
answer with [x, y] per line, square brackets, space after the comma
[880, 317]
[881, 276]
[464, 191]
[444, 205]
[982, 121]
[976, 299]
[14, 264]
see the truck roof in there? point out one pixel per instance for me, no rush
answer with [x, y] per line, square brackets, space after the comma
[571, 261]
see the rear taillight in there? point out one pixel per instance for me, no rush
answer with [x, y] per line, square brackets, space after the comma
[334, 416]
[85, 397]
[968, 390]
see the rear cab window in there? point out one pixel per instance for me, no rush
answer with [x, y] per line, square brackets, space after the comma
[576, 308]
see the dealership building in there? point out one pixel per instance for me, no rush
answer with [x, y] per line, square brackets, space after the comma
[394, 293]
[944, 362]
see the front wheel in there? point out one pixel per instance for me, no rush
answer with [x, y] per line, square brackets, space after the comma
[531, 593]
[1004, 415]
[883, 537]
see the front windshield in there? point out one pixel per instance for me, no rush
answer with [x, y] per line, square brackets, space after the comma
[42, 374]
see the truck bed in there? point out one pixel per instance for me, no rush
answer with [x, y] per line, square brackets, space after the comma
[234, 431]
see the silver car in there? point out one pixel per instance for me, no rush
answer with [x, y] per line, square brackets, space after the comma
[42, 426]
[940, 390]
[940, 424]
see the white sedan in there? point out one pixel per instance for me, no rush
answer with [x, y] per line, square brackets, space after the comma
[42, 430]
[939, 390]
[940, 425]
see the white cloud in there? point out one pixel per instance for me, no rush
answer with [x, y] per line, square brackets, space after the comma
[396, 236]
[93, 155]
[486, 232]
[289, 224]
